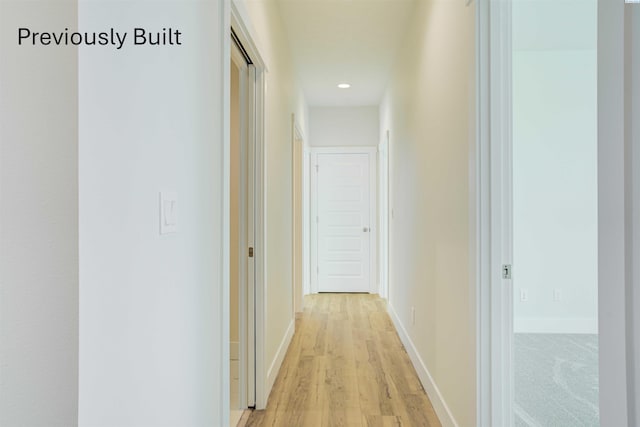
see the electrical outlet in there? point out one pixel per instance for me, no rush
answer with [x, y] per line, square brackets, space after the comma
[557, 295]
[413, 316]
[524, 295]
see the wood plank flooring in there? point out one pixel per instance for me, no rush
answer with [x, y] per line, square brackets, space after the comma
[346, 367]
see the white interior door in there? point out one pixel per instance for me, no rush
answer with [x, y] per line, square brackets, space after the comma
[544, 216]
[344, 220]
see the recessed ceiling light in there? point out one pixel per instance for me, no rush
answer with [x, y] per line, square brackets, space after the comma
[344, 85]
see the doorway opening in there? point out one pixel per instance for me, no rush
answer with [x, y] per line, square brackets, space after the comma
[241, 236]
[554, 204]
[247, 221]
[538, 214]
[252, 377]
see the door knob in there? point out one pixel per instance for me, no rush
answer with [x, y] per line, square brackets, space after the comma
[365, 229]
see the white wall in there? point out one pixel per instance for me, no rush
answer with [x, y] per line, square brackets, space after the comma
[429, 109]
[555, 198]
[153, 308]
[283, 97]
[555, 171]
[38, 220]
[344, 126]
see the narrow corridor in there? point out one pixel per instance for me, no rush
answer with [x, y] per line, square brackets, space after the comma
[346, 367]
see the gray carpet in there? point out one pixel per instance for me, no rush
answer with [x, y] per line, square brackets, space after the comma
[556, 380]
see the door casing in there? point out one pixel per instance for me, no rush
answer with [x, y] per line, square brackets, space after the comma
[383, 215]
[298, 223]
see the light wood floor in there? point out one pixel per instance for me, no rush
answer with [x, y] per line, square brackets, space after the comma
[346, 367]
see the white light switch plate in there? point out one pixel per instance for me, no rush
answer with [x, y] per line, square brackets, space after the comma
[168, 212]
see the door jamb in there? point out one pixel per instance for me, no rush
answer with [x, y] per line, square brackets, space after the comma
[373, 184]
[306, 271]
[297, 140]
[494, 213]
[615, 267]
[223, 225]
[383, 215]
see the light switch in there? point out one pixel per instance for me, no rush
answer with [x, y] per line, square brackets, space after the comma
[168, 212]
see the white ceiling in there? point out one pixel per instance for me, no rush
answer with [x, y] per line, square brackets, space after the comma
[353, 41]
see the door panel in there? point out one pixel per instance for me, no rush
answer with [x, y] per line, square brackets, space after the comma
[344, 222]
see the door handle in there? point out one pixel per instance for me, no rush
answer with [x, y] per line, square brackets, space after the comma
[365, 229]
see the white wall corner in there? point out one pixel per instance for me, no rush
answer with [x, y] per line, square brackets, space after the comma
[274, 368]
[437, 400]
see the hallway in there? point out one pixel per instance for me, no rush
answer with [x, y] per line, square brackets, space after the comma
[158, 235]
[346, 366]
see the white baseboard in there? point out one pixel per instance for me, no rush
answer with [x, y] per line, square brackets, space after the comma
[557, 325]
[438, 402]
[272, 373]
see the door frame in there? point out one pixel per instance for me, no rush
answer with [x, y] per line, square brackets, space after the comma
[383, 215]
[255, 296]
[494, 301]
[306, 283]
[492, 163]
[297, 197]
[615, 214]
[373, 179]
[245, 266]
